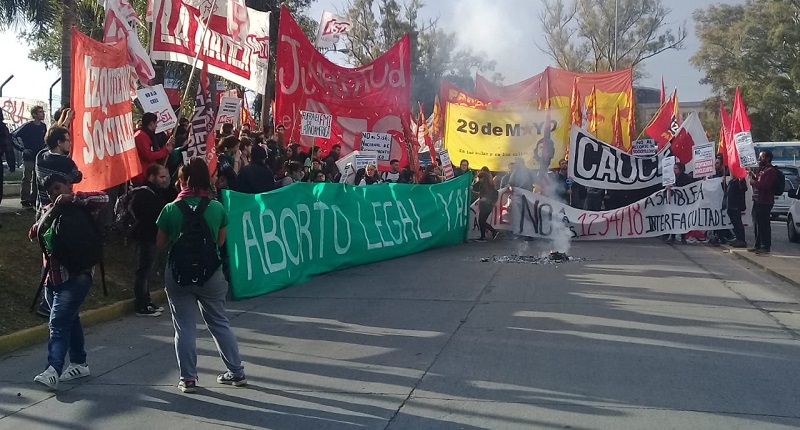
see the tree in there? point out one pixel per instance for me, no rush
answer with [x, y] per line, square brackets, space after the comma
[434, 52]
[737, 49]
[603, 35]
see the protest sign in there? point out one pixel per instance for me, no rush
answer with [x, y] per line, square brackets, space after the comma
[315, 124]
[380, 143]
[697, 206]
[496, 139]
[286, 236]
[500, 219]
[593, 163]
[668, 172]
[447, 164]
[704, 159]
[644, 148]
[363, 159]
[746, 148]
[102, 129]
[230, 110]
[155, 100]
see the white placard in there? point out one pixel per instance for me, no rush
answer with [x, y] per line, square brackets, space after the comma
[380, 143]
[330, 27]
[704, 159]
[155, 100]
[363, 159]
[667, 172]
[316, 124]
[230, 110]
[447, 164]
[644, 148]
[747, 151]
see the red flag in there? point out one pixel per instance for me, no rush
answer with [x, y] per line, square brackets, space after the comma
[663, 92]
[575, 113]
[739, 123]
[412, 145]
[618, 140]
[664, 125]
[591, 111]
[424, 136]
[690, 133]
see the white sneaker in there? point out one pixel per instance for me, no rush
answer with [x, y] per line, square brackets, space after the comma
[48, 378]
[74, 371]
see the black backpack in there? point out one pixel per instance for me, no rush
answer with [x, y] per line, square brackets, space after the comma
[194, 257]
[780, 182]
[76, 241]
[124, 218]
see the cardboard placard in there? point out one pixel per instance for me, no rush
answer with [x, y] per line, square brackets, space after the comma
[155, 100]
[667, 172]
[380, 143]
[316, 124]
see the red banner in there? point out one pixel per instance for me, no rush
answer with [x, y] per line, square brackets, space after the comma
[369, 98]
[178, 32]
[455, 95]
[102, 131]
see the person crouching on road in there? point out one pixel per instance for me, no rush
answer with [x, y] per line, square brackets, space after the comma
[69, 288]
[193, 227]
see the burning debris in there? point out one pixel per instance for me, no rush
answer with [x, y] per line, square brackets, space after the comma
[553, 257]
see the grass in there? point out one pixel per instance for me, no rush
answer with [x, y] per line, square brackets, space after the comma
[20, 266]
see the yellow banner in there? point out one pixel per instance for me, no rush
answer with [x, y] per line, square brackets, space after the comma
[495, 139]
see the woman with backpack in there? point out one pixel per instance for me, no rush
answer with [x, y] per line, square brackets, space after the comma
[488, 196]
[193, 227]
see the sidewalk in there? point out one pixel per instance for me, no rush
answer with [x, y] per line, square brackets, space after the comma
[784, 259]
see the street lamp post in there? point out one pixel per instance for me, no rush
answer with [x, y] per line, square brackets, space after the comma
[4, 84]
[616, 30]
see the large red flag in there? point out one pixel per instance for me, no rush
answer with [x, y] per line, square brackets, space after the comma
[665, 124]
[732, 154]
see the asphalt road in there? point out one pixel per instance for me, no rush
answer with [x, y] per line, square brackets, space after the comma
[640, 335]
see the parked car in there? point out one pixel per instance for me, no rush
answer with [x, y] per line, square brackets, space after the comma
[783, 201]
[793, 217]
[792, 173]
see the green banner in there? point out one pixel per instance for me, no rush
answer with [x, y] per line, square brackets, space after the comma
[286, 236]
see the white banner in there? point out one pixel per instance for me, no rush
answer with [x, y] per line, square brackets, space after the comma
[697, 206]
[154, 100]
[595, 164]
[178, 27]
[17, 111]
[746, 148]
[499, 218]
[230, 110]
[330, 27]
[704, 160]
[381, 143]
[316, 124]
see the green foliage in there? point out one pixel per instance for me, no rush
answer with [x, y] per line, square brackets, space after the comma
[434, 54]
[738, 49]
[580, 34]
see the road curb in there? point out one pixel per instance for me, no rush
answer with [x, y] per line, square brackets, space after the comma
[743, 256]
[33, 335]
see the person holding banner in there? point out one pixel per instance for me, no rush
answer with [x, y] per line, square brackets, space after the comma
[368, 176]
[763, 181]
[681, 179]
[487, 197]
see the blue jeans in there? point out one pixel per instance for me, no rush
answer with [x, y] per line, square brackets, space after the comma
[210, 297]
[66, 332]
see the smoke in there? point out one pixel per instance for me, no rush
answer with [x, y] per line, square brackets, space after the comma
[561, 235]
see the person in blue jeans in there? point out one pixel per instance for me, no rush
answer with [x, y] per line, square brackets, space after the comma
[184, 300]
[66, 291]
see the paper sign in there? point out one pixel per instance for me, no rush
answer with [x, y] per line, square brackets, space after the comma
[363, 159]
[155, 100]
[644, 148]
[447, 165]
[380, 143]
[703, 159]
[230, 110]
[316, 124]
[747, 151]
[668, 174]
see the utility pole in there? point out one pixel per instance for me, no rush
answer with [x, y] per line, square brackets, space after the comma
[269, 91]
[616, 31]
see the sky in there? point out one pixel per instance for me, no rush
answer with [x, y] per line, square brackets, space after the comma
[508, 34]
